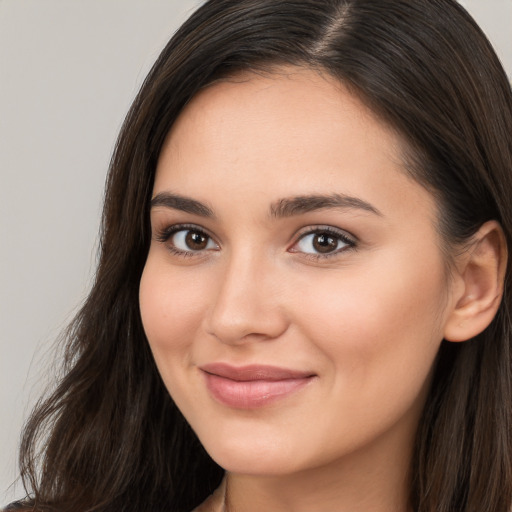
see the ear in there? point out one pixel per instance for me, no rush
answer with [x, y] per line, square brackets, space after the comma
[478, 287]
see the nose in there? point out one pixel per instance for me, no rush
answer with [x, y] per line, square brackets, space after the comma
[248, 304]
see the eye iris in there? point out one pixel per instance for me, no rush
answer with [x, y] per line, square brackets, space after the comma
[324, 243]
[196, 241]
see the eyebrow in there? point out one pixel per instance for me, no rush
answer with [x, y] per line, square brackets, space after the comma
[298, 205]
[286, 207]
[185, 204]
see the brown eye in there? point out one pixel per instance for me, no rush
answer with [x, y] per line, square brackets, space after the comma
[196, 241]
[323, 243]
[191, 240]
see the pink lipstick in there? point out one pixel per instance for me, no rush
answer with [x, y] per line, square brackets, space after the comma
[253, 386]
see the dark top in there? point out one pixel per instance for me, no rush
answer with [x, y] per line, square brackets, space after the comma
[17, 505]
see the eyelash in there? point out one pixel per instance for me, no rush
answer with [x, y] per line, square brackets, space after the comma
[165, 234]
[340, 236]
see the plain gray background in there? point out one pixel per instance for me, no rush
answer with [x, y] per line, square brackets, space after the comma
[68, 72]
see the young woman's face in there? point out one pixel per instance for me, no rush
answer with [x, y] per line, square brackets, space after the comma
[295, 292]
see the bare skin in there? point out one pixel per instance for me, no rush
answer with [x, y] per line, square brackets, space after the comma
[348, 286]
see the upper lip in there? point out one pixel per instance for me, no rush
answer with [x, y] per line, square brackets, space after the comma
[254, 372]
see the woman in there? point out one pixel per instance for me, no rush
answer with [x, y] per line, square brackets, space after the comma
[303, 296]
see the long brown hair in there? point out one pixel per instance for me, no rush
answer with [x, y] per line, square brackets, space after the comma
[110, 437]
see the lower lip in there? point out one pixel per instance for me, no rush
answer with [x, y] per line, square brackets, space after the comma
[254, 393]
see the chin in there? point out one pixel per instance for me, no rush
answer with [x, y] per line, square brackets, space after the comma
[253, 455]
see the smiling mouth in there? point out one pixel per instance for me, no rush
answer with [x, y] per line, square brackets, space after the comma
[250, 387]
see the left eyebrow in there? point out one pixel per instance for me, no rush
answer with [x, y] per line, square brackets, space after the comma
[287, 207]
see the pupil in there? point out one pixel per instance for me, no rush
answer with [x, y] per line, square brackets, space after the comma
[195, 240]
[324, 243]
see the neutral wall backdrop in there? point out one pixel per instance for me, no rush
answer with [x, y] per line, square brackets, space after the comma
[68, 72]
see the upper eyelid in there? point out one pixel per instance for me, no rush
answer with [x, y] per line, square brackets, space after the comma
[171, 229]
[318, 228]
[346, 237]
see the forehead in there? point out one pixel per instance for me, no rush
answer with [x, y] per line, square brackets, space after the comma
[292, 102]
[291, 132]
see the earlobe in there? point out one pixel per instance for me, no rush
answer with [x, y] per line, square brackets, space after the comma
[480, 275]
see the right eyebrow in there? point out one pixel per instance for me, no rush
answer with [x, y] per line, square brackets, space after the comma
[182, 203]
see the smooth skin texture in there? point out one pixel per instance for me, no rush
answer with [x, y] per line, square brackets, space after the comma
[354, 291]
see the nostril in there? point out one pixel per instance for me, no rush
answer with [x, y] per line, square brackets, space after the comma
[244, 324]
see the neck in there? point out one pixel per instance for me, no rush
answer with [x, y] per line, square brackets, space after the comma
[375, 479]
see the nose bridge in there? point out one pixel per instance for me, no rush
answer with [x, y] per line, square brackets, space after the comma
[246, 305]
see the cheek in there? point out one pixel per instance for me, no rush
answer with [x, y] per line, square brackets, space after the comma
[171, 308]
[381, 328]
